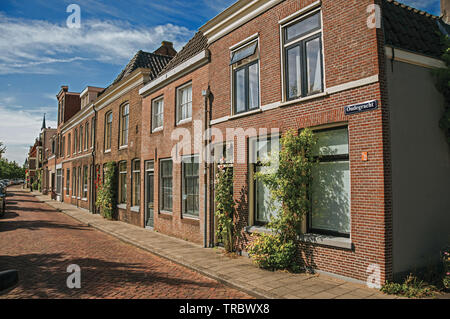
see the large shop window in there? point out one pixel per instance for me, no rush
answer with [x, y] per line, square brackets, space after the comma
[330, 191]
[136, 180]
[303, 57]
[261, 150]
[59, 181]
[122, 182]
[184, 103]
[165, 188]
[190, 186]
[124, 118]
[245, 67]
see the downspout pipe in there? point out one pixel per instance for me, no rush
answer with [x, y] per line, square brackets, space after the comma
[205, 170]
[93, 173]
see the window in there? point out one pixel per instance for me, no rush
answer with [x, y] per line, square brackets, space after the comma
[86, 143]
[157, 114]
[122, 182]
[184, 102]
[74, 181]
[79, 182]
[81, 141]
[245, 68]
[303, 57]
[260, 149]
[85, 181]
[136, 180]
[63, 147]
[75, 141]
[69, 146]
[124, 114]
[92, 133]
[190, 185]
[165, 188]
[67, 182]
[59, 181]
[108, 127]
[330, 191]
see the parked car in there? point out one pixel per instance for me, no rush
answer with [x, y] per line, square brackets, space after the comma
[2, 201]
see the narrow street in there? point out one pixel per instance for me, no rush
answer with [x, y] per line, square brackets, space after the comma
[41, 243]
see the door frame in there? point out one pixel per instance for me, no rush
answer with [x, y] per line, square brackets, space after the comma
[149, 171]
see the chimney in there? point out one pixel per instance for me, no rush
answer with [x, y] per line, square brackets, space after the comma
[166, 48]
[445, 11]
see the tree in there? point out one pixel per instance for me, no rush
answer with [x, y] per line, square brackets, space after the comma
[2, 149]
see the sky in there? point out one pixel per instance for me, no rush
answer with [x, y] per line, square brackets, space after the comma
[39, 52]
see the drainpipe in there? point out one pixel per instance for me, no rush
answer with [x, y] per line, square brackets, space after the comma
[206, 94]
[93, 173]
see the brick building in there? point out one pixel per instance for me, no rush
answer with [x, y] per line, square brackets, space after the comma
[279, 65]
[360, 80]
[45, 137]
[119, 129]
[173, 107]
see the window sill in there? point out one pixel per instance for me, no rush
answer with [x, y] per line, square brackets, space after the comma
[122, 206]
[337, 242]
[135, 209]
[184, 121]
[84, 199]
[326, 240]
[73, 197]
[158, 129]
[303, 99]
[123, 147]
[164, 214]
[107, 151]
[235, 116]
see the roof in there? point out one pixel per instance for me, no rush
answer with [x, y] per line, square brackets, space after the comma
[412, 29]
[197, 44]
[146, 60]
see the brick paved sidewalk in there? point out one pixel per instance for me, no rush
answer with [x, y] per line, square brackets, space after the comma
[238, 272]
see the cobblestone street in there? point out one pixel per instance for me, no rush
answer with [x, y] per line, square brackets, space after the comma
[41, 243]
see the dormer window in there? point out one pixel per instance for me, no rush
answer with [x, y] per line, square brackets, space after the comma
[245, 69]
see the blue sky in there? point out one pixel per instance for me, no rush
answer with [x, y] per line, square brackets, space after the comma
[39, 53]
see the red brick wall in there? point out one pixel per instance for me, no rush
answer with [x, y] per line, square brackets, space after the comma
[161, 144]
[351, 53]
[128, 154]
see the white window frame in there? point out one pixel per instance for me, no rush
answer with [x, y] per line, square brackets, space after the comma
[301, 14]
[237, 47]
[178, 103]
[154, 103]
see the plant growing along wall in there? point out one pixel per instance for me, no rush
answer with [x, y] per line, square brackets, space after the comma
[288, 184]
[225, 207]
[443, 85]
[107, 191]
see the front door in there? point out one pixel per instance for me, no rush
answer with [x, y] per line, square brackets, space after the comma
[149, 196]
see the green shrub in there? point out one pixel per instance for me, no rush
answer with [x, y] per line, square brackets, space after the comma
[268, 251]
[225, 207]
[412, 287]
[106, 195]
[446, 264]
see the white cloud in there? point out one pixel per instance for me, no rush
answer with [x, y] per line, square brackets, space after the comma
[19, 129]
[36, 46]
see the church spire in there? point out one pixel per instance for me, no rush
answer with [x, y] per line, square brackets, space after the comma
[43, 123]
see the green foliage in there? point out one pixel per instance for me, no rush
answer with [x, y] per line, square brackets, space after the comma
[442, 76]
[2, 149]
[446, 266]
[10, 170]
[107, 191]
[288, 184]
[225, 207]
[412, 287]
[269, 251]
